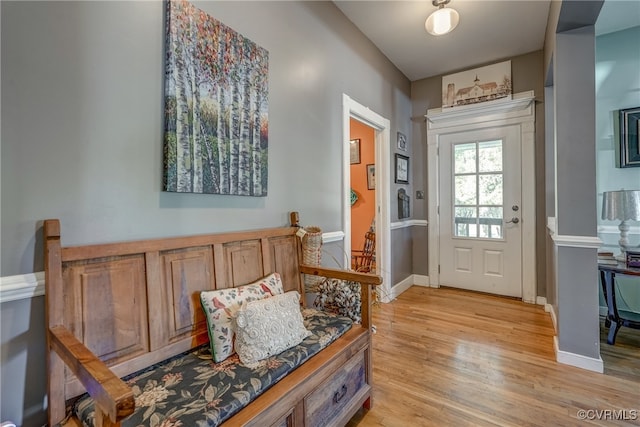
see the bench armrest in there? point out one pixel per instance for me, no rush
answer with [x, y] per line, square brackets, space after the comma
[334, 273]
[369, 280]
[111, 395]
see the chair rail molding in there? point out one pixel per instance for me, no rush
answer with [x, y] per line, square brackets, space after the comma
[22, 286]
[409, 223]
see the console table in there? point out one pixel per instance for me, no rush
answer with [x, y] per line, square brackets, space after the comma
[616, 318]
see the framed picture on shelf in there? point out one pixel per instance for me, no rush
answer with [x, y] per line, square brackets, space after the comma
[628, 132]
[402, 169]
[354, 151]
[371, 177]
[402, 141]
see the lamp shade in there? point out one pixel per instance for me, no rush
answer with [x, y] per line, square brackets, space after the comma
[442, 21]
[621, 205]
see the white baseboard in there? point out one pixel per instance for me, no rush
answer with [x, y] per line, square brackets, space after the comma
[549, 309]
[413, 280]
[401, 287]
[541, 301]
[21, 286]
[420, 280]
[577, 360]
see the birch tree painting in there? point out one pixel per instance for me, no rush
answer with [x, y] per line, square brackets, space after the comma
[216, 103]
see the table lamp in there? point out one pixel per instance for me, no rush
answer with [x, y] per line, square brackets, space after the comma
[624, 206]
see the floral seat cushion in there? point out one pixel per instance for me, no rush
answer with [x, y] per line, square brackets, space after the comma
[192, 390]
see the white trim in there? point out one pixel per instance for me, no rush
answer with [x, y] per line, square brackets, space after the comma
[577, 360]
[409, 223]
[420, 280]
[591, 242]
[541, 301]
[549, 309]
[551, 225]
[499, 107]
[401, 287]
[332, 236]
[518, 111]
[382, 127]
[22, 286]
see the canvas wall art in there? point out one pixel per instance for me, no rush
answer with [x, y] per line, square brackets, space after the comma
[478, 85]
[216, 105]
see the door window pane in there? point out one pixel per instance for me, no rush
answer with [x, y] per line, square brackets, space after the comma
[464, 158]
[465, 190]
[478, 190]
[490, 189]
[490, 156]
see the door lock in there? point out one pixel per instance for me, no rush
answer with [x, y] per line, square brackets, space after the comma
[514, 220]
[515, 208]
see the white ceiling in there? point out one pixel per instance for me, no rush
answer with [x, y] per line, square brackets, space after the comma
[489, 30]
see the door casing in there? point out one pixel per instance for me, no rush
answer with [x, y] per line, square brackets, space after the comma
[381, 126]
[520, 111]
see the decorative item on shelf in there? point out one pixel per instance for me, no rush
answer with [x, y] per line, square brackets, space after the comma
[353, 197]
[487, 83]
[627, 131]
[633, 258]
[312, 255]
[623, 206]
[443, 20]
[606, 258]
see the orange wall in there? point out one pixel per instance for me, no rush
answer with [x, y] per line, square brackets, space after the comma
[363, 210]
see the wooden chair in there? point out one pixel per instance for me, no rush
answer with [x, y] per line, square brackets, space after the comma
[364, 261]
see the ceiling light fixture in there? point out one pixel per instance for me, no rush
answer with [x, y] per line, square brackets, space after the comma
[443, 20]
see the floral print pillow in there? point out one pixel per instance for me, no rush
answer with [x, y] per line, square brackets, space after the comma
[220, 306]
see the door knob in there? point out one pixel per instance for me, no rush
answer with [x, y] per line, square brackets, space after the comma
[514, 220]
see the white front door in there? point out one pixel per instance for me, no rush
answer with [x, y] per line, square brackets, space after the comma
[480, 210]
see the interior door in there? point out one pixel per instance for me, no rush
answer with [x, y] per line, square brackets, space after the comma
[480, 205]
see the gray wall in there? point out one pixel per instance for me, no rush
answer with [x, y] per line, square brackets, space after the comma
[82, 137]
[527, 73]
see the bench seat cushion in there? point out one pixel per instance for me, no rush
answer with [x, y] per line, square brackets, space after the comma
[192, 390]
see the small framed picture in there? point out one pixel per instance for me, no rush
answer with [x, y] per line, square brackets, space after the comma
[402, 169]
[354, 151]
[402, 141]
[371, 177]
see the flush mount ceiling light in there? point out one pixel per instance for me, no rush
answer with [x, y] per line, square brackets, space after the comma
[443, 20]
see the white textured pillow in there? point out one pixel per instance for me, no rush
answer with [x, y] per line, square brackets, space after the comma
[221, 305]
[268, 327]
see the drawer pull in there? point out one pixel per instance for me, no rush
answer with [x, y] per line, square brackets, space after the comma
[338, 395]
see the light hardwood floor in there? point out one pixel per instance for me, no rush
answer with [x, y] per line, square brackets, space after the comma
[446, 357]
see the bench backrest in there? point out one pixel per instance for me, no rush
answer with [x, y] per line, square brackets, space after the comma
[136, 303]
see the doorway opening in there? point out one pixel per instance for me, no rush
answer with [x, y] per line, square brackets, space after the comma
[380, 126]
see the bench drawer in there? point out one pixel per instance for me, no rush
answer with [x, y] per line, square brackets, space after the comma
[333, 398]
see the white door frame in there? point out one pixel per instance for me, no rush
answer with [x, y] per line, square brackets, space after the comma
[381, 126]
[520, 110]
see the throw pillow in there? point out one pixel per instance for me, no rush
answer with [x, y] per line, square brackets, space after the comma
[220, 306]
[267, 327]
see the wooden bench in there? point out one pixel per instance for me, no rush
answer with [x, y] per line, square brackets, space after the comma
[116, 308]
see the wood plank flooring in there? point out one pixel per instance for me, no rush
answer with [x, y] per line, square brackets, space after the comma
[446, 357]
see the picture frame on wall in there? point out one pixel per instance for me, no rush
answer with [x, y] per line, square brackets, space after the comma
[402, 169]
[371, 177]
[402, 141]
[628, 132]
[354, 151]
